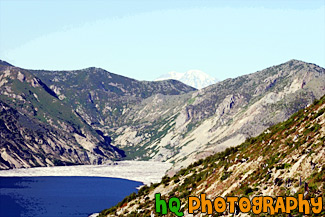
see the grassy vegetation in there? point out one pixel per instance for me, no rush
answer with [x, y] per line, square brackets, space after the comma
[270, 144]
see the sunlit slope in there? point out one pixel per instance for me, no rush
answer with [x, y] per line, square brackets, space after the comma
[184, 128]
[278, 162]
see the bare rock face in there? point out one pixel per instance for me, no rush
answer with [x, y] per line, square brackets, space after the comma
[222, 115]
[26, 142]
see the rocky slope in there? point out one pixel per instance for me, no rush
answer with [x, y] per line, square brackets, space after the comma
[27, 142]
[278, 162]
[38, 129]
[67, 107]
[185, 128]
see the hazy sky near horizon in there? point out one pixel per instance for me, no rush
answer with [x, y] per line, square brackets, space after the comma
[145, 39]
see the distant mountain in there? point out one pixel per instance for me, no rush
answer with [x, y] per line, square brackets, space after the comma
[52, 117]
[285, 160]
[194, 78]
[38, 129]
[101, 97]
[110, 116]
[184, 128]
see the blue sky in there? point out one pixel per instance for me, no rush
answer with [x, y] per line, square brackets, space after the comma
[144, 39]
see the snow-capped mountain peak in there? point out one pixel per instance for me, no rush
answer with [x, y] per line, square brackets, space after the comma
[171, 75]
[195, 78]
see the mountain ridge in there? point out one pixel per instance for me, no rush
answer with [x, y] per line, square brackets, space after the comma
[119, 91]
[26, 93]
[285, 160]
[224, 113]
[162, 121]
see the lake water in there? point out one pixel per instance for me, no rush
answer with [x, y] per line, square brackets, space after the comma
[61, 196]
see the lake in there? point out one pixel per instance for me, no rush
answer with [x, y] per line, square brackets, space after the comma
[58, 196]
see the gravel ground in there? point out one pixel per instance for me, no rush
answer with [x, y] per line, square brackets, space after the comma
[142, 171]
